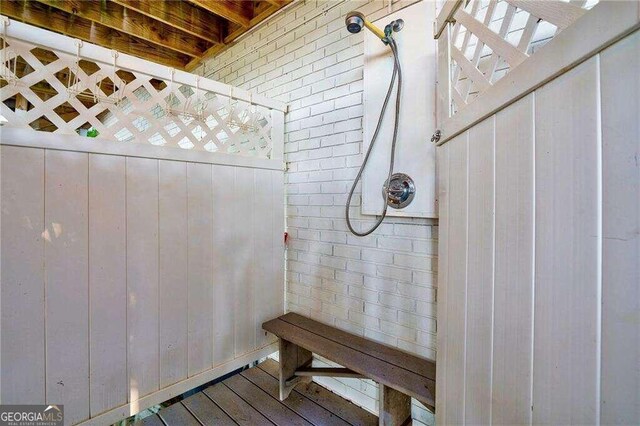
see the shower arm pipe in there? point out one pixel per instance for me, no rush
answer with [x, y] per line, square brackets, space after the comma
[60, 43]
[377, 31]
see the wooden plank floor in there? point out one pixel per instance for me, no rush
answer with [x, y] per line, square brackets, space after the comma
[251, 398]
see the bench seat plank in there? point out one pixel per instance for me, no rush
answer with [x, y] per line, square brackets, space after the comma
[384, 372]
[421, 366]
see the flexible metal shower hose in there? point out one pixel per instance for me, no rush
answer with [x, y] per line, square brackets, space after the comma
[396, 71]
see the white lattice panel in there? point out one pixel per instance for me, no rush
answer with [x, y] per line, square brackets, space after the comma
[492, 37]
[55, 91]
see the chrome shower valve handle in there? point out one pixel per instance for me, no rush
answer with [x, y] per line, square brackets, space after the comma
[399, 192]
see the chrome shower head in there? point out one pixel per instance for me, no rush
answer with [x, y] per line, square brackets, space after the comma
[354, 21]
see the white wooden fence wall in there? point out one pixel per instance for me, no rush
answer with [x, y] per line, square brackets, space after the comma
[132, 273]
[539, 277]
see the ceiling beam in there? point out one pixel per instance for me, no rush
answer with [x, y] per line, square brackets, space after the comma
[237, 12]
[73, 26]
[180, 15]
[133, 23]
[277, 3]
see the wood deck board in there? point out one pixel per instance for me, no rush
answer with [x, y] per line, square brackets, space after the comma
[327, 399]
[251, 398]
[235, 407]
[271, 408]
[306, 408]
[152, 420]
[206, 411]
[425, 368]
[177, 414]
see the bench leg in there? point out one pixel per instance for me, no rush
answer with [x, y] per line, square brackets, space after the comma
[395, 407]
[292, 357]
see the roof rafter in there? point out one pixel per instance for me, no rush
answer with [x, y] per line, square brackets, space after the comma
[277, 3]
[236, 12]
[180, 15]
[73, 26]
[177, 33]
[133, 23]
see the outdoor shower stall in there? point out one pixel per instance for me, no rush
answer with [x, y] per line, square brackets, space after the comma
[141, 263]
[143, 215]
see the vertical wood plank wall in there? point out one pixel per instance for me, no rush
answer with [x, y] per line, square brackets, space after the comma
[539, 257]
[107, 281]
[122, 276]
[620, 390]
[514, 262]
[22, 257]
[66, 255]
[455, 311]
[567, 237]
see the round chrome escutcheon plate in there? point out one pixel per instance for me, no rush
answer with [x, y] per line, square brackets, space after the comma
[400, 191]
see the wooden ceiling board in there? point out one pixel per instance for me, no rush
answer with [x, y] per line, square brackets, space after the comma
[180, 34]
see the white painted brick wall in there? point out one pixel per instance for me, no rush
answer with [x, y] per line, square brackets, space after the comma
[381, 286]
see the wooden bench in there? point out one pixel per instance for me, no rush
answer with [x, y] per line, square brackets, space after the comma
[399, 374]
